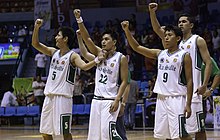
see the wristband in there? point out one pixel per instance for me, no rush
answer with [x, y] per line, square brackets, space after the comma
[211, 89]
[123, 104]
[97, 61]
[79, 20]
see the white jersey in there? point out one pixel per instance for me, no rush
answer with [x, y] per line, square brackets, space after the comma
[191, 47]
[107, 77]
[171, 79]
[61, 76]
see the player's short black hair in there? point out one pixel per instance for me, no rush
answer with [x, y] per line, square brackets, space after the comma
[68, 32]
[177, 31]
[111, 33]
[189, 17]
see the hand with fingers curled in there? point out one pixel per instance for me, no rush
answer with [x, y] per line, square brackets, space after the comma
[114, 106]
[207, 94]
[152, 7]
[125, 25]
[187, 111]
[201, 90]
[77, 13]
[102, 55]
[78, 33]
[38, 23]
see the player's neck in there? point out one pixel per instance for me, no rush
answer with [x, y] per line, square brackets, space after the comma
[186, 36]
[173, 50]
[64, 51]
[111, 53]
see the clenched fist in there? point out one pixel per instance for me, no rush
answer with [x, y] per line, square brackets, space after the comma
[125, 25]
[152, 7]
[38, 22]
[77, 13]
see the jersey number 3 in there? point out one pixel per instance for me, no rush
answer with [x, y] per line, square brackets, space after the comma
[103, 79]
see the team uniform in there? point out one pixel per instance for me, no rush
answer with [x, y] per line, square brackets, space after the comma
[215, 69]
[107, 81]
[171, 100]
[56, 113]
[196, 122]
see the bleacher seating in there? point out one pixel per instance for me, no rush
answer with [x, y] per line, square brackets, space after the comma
[2, 111]
[19, 111]
[9, 111]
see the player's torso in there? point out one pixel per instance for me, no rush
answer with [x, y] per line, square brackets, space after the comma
[108, 77]
[190, 46]
[171, 79]
[61, 75]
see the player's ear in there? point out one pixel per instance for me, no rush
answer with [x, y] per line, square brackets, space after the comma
[65, 39]
[178, 38]
[115, 41]
[191, 25]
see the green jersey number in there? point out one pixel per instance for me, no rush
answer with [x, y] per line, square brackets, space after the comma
[103, 79]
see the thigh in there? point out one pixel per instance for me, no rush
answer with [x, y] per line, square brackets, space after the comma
[47, 117]
[196, 122]
[95, 120]
[161, 128]
[62, 115]
[176, 117]
[108, 121]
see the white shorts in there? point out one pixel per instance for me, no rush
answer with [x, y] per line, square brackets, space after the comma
[196, 122]
[56, 116]
[102, 124]
[169, 117]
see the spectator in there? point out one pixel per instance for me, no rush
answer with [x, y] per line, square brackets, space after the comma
[131, 105]
[78, 88]
[38, 89]
[41, 60]
[216, 44]
[9, 99]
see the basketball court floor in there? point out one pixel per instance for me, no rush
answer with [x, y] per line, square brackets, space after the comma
[80, 133]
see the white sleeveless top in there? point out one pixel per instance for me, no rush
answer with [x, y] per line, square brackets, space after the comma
[107, 79]
[191, 47]
[171, 80]
[61, 76]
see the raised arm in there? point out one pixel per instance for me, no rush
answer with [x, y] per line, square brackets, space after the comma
[85, 35]
[35, 40]
[154, 22]
[78, 62]
[87, 55]
[150, 53]
[207, 60]
[189, 80]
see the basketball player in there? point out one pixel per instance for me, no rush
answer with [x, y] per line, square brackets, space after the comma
[174, 82]
[197, 48]
[56, 113]
[110, 83]
[120, 119]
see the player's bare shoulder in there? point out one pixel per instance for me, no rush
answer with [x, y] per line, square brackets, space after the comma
[200, 42]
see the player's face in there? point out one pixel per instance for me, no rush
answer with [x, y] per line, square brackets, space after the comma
[60, 41]
[107, 42]
[170, 40]
[184, 24]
